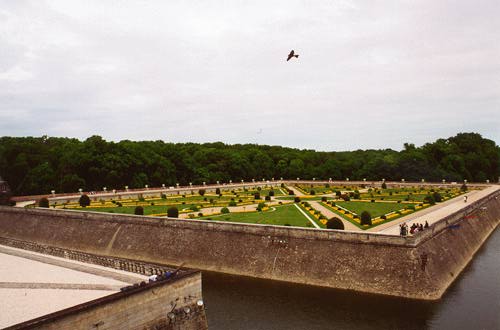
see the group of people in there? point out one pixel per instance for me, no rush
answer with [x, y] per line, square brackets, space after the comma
[414, 228]
[164, 276]
[153, 278]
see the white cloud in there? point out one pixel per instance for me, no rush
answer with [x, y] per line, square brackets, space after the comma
[371, 74]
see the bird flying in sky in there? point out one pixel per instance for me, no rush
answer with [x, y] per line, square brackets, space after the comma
[292, 54]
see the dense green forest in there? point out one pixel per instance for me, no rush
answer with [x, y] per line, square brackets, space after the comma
[37, 165]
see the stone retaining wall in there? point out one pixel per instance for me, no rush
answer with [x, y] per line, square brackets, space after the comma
[365, 262]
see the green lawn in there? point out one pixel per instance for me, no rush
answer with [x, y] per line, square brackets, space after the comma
[387, 197]
[148, 209]
[341, 215]
[278, 215]
[375, 209]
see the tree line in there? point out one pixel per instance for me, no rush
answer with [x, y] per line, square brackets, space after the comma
[37, 165]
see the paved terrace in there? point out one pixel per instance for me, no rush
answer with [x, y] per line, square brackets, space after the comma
[34, 284]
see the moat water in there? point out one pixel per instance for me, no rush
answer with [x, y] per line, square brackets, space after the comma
[472, 302]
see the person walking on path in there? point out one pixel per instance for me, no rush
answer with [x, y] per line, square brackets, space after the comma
[465, 199]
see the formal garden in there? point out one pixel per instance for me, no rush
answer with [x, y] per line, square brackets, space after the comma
[194, 201]
[293, 205]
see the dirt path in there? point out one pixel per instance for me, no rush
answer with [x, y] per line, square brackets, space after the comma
[329, 214]
[296, 191]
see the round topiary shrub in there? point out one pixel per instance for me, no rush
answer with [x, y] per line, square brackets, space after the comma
[232, 203]
[335, 223]
[262, 205]
[172, 212]
[217, 191]
[312, 192]
[323, 199]
[256, 195]
[43, 202]
[271, 192]
[366, 218]
[268, 198]
[384, 186]
[139, 210]
[429, 200]
[224, 210]
[84, 200]
[296, 199]
[201, 192]
[437, 197]
[290, 192]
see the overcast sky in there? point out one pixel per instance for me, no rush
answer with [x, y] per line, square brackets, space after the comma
[371, 74]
